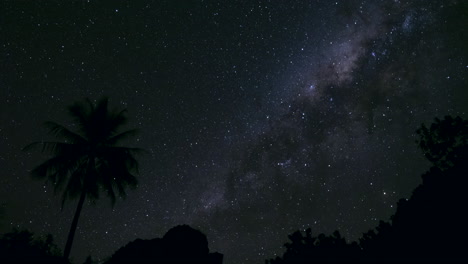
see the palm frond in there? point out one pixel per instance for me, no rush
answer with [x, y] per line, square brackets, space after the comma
[101, 107]
[56, 148]
[121, 189]
[131, 150]
[77, 171]
[57, 170]
[63, 132]
[89, 175]
[48, 170]
[80, 112]
[60, 178]
[100, 113]
[73, 189]
[117, 120]
[107, 184]
[130, 180]
[92, 192]
[122, 136]
[122, 156]
[115, 171]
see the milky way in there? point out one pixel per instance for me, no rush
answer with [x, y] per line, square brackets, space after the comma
[260, 117]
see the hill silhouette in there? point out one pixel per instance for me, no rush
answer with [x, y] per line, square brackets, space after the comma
[429, 226]
[181, 244]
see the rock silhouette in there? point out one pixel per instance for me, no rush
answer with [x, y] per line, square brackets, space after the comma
[181, 244]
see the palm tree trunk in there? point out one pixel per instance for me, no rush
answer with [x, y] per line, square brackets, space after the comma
[71, 234]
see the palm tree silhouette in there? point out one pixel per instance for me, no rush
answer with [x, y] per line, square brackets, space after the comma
[91, 160]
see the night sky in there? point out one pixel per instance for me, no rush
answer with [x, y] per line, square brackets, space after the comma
[259, 117]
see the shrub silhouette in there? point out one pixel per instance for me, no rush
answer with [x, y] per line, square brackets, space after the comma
[21, 246]
[321, 249]
[445, 142]
[181, 244]
[430, 226]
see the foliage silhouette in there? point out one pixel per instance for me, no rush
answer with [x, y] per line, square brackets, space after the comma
[181, 244]
[321, 249]
[430, 226]
[445, 142]
[90, 160]
[2, 212]
[21, 246]
[89, 260]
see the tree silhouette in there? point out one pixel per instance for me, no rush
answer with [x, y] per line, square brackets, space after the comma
[2, 212]
[321, 249]
[90, 160]
[21, 246]
[445, 142]
[429, 226]
[89, 260]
